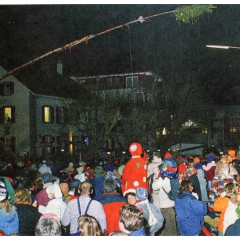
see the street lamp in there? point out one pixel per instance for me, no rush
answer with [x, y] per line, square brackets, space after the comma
[221, 47]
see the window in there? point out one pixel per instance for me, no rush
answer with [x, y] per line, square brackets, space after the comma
[7, 88]
[7, 114]
[116, 81]
[47, 114]
[132, 82]
[109, 82]
[61, 115]
[47, 143]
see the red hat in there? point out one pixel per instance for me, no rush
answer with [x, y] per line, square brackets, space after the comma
[168, 155]
[135, 149]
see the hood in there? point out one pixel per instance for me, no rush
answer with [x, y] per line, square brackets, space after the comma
[54, 188]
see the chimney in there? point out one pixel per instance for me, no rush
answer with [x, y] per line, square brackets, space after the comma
[60, 67]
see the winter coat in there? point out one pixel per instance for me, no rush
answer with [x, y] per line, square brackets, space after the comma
[142, 205]
[209, 170]
[97, 183]
[220, 205]
[45, 168]
[190, 214]
[196, 185]
[9, 223]
[203, 185]
[112, 202]
[140, 232]
[28, 218]
[153, 167]
[163, 199]
[230, 215]
[234, 229]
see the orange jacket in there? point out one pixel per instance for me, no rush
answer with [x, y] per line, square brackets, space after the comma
[220, 205]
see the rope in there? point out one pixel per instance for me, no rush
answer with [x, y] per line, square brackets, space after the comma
[69, 46]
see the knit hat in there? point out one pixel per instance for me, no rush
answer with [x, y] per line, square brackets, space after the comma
[210, 157]
[135, 149]
[48, 177]
[3, 190]
[141, 193]
[196, 160]
[167, 155]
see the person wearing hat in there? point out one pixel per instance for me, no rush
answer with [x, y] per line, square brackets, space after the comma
[81, 168]
[56, 205]
[73, 189]
[9, 221]
[45, 168]
[164, 203]
[151, 213]
[210, 169]
[135, 171]
[42, 196]
[97, 182]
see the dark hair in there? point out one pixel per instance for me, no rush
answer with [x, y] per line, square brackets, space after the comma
[110, 185]
[130, 194]
[185, 185]
[131, 217]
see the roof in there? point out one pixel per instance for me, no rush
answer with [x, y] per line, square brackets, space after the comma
[50, 83]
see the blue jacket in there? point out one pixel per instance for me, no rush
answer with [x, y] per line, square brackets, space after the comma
[139, 232]
[190, 214]
[97, 183]
[9, 223]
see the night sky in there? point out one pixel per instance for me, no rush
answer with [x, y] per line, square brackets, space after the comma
[162, 44]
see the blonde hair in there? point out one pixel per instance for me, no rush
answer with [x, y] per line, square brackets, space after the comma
[22, 195]
[89, 226]
[7, 205]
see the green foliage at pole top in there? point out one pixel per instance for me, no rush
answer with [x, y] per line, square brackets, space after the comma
[187, 13]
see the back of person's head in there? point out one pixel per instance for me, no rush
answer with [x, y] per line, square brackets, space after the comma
[131, 217]
[230, 189]
[186, 185]
[110, 185]
[48, 227]
[85, 188]
[118, 233]
[89, 226]
[22, 195]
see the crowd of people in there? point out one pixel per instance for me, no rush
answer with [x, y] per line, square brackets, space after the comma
[146, 195]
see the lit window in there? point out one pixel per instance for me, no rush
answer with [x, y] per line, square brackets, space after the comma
[132, 82]
[204, 130]
[48, 114]
[233, 129]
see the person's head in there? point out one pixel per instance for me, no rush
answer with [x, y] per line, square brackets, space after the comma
[86, 188]
[48, 227]
[131, 218]
[156, 155]
[231, 189]
[186, 185]
[89, 226]
[110, 185]
[22, 195]
[131, 198]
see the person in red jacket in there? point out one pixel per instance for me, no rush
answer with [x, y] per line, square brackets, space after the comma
[111, 201]
[135, 171]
